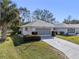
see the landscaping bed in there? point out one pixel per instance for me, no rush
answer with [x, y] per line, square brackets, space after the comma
[73, 39]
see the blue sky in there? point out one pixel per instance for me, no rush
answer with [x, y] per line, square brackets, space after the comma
[60, 8]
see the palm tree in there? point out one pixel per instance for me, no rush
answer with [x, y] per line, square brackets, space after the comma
[9, 14]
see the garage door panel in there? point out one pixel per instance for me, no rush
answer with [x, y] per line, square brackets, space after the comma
[43, 31]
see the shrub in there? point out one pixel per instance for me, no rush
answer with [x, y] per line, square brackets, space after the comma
[61, 33]
[66, 34]
[15, 30]
[53, 33]
[34, 33]
[19, 32]
[13, 33]
[56, 32]
[31, 38]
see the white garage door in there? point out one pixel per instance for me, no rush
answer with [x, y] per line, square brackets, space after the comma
[43, 31]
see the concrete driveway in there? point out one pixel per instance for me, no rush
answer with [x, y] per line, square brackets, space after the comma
[71, 50]
[46, 37]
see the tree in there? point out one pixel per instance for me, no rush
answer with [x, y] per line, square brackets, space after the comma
[15, 27]
[71, 21]
[68, 20]
[9, 14]
[25, 15]
[45, 15]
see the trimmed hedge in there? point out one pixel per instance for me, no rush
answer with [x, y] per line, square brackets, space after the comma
[31, 38]
[34, 33]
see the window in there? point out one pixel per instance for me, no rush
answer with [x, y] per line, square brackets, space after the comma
[71, 30]
[26, 28]
[54, 28]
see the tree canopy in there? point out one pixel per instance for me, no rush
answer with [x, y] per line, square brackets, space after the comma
[9, 14]
[45, 15]
[69, 20]
[24, 14]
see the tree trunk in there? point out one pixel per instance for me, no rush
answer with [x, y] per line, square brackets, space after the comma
[4, 32]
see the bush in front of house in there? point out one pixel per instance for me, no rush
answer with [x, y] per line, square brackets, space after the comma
[15, 30]
[31, 38]
[19, 32]
[66, 34]
[53, 33]
[14, 33]
[61, 33]
[34, 33]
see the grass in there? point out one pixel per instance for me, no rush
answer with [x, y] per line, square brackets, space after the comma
[8, 51]
[32, 50]
[73, 39]
[38, 50]
[0, 33]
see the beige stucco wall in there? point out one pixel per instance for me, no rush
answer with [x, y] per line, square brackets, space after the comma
[65, 30]
[31, 29]
[28, 32]
[61, 30]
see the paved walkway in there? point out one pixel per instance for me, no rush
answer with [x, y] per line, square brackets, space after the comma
[71, 50]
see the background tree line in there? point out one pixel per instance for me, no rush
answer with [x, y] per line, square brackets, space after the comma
[38, 14]
[69, 20]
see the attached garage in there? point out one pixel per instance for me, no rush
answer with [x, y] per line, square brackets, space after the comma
[44, 31]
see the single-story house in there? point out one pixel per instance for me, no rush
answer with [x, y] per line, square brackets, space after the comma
[41, 27]
[45, 29]
[70, 29]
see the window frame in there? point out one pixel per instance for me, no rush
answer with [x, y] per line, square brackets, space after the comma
[71, 30]
[26, 28]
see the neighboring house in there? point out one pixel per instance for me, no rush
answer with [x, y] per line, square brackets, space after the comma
[41, 27]
[70, 29]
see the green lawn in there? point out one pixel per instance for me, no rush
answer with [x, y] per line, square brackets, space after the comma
[0, 33]
[8, 51]
[74, 39]
[38, 50]
[32, 50]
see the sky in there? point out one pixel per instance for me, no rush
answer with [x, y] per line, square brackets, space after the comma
[60, 8]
